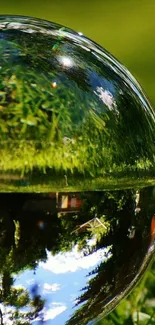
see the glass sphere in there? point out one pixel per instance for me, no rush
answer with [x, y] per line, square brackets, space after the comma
[77, 139]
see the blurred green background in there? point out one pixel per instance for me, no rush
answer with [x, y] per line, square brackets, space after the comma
[126, 28]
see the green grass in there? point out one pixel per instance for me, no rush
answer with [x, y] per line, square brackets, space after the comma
[64, 137]
[14, 182]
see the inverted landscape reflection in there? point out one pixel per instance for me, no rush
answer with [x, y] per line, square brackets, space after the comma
[71, 257]
[59, 281]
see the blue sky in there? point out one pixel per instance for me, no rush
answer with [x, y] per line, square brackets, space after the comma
[59, 281]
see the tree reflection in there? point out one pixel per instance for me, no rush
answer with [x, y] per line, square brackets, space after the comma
[115, 277]
[120, 223]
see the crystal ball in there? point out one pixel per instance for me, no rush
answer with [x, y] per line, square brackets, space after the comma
[77, 147]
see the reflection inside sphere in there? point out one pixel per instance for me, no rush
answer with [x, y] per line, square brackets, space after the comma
[67, 107]
[66, 61]
[77, 194]
[69, 258]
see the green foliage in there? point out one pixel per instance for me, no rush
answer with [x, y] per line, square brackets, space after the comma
[139, 307]
[54, 120]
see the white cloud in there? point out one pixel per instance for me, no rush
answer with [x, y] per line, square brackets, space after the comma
[6, 311]
[30, 281]
[19, 286]
[55, 309]
[48, 288]
[53, 312]
[106, 97]
[72, 261]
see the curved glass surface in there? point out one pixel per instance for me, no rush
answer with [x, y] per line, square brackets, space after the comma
[71, 116]
[77, 193]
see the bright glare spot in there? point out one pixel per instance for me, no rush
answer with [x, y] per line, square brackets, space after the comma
[66, 61]
[81, 34]
[54, 84]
